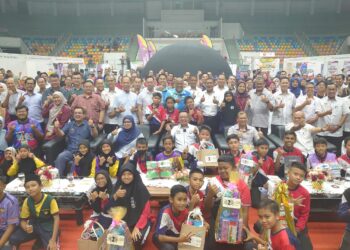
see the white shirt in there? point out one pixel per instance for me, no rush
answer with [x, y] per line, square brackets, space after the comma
[259, 110]
[37, 89]
[196, 92]
[309, 110]
[128, 101]
[283, 116]
[338, 110]
[109, 96]
[208, 107]
[305, 141]
[183, 136]
[13, 101]
[144, 99]
[220, 92]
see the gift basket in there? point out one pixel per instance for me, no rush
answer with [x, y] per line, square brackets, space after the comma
[229, 221]
[195, 225]
[92, 236]
[118, 234]
[246, 166]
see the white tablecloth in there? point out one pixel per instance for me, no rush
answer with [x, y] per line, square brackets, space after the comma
[58, 186]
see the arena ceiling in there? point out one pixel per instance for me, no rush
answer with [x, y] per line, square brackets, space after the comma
[212, 8]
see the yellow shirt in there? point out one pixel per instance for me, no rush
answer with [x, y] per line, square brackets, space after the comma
[25, 212]
[13, 170]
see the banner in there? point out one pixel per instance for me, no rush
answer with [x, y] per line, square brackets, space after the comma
[143, 49]
[152, 50]
[266, 64]
[28, 65]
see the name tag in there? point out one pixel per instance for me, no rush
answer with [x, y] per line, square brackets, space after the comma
[116, 240]
[232, 203]
[195, 242]
[211, 158]
[247, 162]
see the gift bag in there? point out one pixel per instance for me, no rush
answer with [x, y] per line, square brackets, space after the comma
[282, 197]
[92, 237]
[194, 225]
[118, 236]
[229, 222]
[159, 169]
[208, 157]
[246, 166]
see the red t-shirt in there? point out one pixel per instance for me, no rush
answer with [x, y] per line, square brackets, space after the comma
[268, 166]
[301, 213]
[281, 241]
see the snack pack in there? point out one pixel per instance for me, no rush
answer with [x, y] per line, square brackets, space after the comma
[229, 221]
[159, 169]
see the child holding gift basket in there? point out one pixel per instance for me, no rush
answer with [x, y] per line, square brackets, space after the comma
[227, 182]
[131, 193]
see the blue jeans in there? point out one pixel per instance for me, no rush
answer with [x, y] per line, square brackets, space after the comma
[63, 159]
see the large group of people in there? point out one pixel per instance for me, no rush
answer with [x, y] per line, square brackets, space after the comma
[184, 113]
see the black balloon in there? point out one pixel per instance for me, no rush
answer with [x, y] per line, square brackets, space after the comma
[185, 57]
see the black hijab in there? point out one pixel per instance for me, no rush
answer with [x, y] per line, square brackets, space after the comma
[230, 111]
[84, 167]
[109, 185]
[105, 165]
[135, 198]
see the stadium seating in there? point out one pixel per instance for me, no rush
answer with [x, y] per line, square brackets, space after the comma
[282, 46]
[326, 45]
[40, 45]
[92, 48]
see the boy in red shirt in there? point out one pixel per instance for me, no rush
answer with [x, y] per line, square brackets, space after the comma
[344, 160]
[287, 154]
[265, 167]
[301, 197]
[233, 144]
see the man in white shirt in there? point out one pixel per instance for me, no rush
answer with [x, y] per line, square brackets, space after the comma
[108, 96]
[124, 103]
[304, 132]
[332, 111]
[145, 98]
[208, 102]
[193, 88]
[285, 104]
[184, 134]
[259, 106]
[12, 98]
[308, 103]
[346, 131]
[221, 87]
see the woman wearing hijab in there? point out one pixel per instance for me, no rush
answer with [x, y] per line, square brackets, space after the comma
[228, 111]
[106, 159]
[124, 139]
[84, 160]
[9, 155]
[295, 86]
[241, 96]
[58, 110]
[130, 192]
[100, 195]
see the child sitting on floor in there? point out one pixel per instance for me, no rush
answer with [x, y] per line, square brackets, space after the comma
[39, 217]
[275, 236]
[25, 162]
[170, 219]
[321, 156]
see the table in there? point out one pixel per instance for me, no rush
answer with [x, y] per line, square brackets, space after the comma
[74, 197]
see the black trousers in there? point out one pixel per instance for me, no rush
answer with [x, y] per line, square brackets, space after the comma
[213, 123]
[263, 130]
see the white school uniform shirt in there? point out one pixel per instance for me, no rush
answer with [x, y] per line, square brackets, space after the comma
[194, 92]
[283, 116]
[183, 136]
[338, 110]
[305, 140]
[128, 100]
[208, 107]
[109, 96]
[347, 111]
[309, 110]
[220, 92]
[144, 99]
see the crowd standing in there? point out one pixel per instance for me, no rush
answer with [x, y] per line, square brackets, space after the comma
[182, 112]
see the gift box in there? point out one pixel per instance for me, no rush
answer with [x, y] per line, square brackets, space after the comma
[208, 157]
[159, 169]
